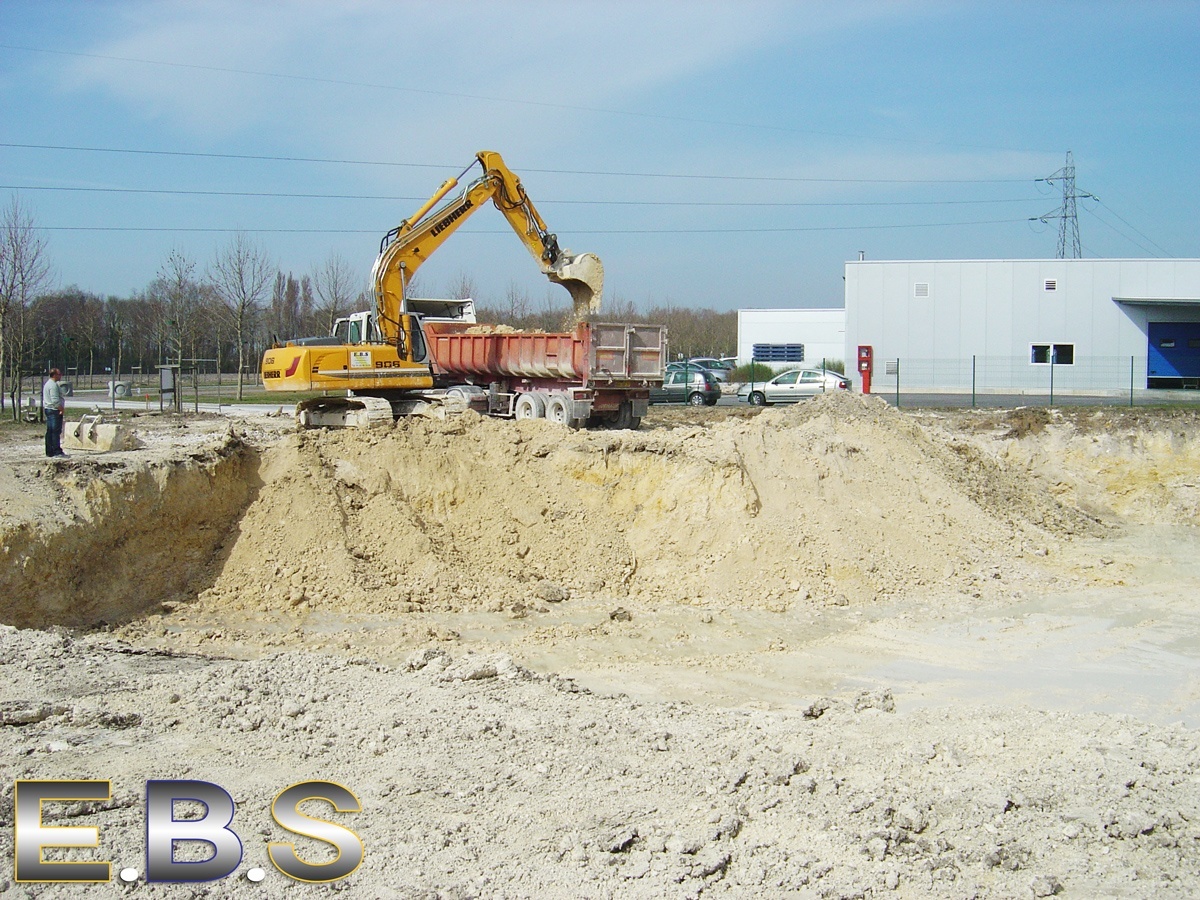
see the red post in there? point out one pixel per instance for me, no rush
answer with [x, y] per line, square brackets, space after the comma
[865, 365]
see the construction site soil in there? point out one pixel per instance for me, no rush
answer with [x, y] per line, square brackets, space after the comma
[835, 650]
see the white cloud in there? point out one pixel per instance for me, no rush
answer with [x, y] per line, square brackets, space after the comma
[435, 57]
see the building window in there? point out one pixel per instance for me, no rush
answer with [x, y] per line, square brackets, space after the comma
[1051, 284]
[1058, 354]
[921, 290]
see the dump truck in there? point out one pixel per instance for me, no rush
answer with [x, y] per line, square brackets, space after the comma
[412, 356]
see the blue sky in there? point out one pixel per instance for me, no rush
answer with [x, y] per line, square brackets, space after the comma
[713, 154]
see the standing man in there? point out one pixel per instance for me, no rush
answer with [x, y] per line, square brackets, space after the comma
[54, 405]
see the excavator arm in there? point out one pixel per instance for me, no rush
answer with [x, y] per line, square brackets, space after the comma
[407, 246]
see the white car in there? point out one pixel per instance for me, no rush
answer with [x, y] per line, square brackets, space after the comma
[792, 386]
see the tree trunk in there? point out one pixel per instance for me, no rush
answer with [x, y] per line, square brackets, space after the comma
[241, 358]
[3, 359]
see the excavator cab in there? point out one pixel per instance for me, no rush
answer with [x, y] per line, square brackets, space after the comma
[360, 328]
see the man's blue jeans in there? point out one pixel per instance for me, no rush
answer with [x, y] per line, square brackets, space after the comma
[54, 429]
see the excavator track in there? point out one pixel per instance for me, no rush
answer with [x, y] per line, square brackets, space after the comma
[343, 412]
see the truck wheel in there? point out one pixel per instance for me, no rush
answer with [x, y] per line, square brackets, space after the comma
[530, 406]
[559, 408]
[696, 399]
[625, 419]
[758, 398]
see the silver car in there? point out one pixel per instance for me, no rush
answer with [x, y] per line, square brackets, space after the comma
[719, 367]
[792, 386]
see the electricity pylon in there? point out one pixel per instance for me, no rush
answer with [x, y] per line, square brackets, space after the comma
[1067, 214]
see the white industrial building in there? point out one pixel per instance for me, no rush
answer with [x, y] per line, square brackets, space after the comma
[785, 337]
[1069, 324]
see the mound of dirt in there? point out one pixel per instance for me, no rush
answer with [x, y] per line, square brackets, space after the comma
[1145, 473]
[838, 500]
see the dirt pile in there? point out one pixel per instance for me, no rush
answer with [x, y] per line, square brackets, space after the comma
[840, 500]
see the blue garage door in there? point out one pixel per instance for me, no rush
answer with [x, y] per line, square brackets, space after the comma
[1174, 350]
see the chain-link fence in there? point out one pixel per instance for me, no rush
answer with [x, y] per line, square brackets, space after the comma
[1013, 380]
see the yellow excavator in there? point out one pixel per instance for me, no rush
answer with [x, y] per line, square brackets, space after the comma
[384, 358]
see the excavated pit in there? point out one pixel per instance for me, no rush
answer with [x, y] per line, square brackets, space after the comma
[836, 502]
[118, 534]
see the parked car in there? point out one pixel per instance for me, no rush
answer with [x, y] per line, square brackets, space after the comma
[792, 386]
[687, 367]
[696, 386]
[718, 367]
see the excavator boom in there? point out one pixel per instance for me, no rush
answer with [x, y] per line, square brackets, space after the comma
[406, 247]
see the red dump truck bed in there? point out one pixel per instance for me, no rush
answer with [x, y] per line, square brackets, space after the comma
[596, 355]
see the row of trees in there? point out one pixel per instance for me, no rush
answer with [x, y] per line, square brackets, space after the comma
[216, 320]
[225, 316]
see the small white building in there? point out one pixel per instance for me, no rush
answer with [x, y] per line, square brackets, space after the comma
[786, 337]
[1071, 324]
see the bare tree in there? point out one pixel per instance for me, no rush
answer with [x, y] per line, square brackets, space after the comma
[24, 271]
[242, 274]
[618, 309]
[464, 288]
[305, 312]
[516, 304]
[336, 285]
[287, 301]
[116, 327]
[181, 293]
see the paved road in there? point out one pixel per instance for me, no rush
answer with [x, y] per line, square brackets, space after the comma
[917, 400]
[87, 400]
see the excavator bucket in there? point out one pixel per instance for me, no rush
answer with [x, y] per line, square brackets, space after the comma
[92, 433]
[583, 277]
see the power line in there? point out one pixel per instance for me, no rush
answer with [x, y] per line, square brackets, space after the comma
[1112, 227]
[1128, 225]
[368, 162]
[787, 230]
[380, 197]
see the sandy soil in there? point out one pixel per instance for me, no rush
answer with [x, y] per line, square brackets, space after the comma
[833, 650]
